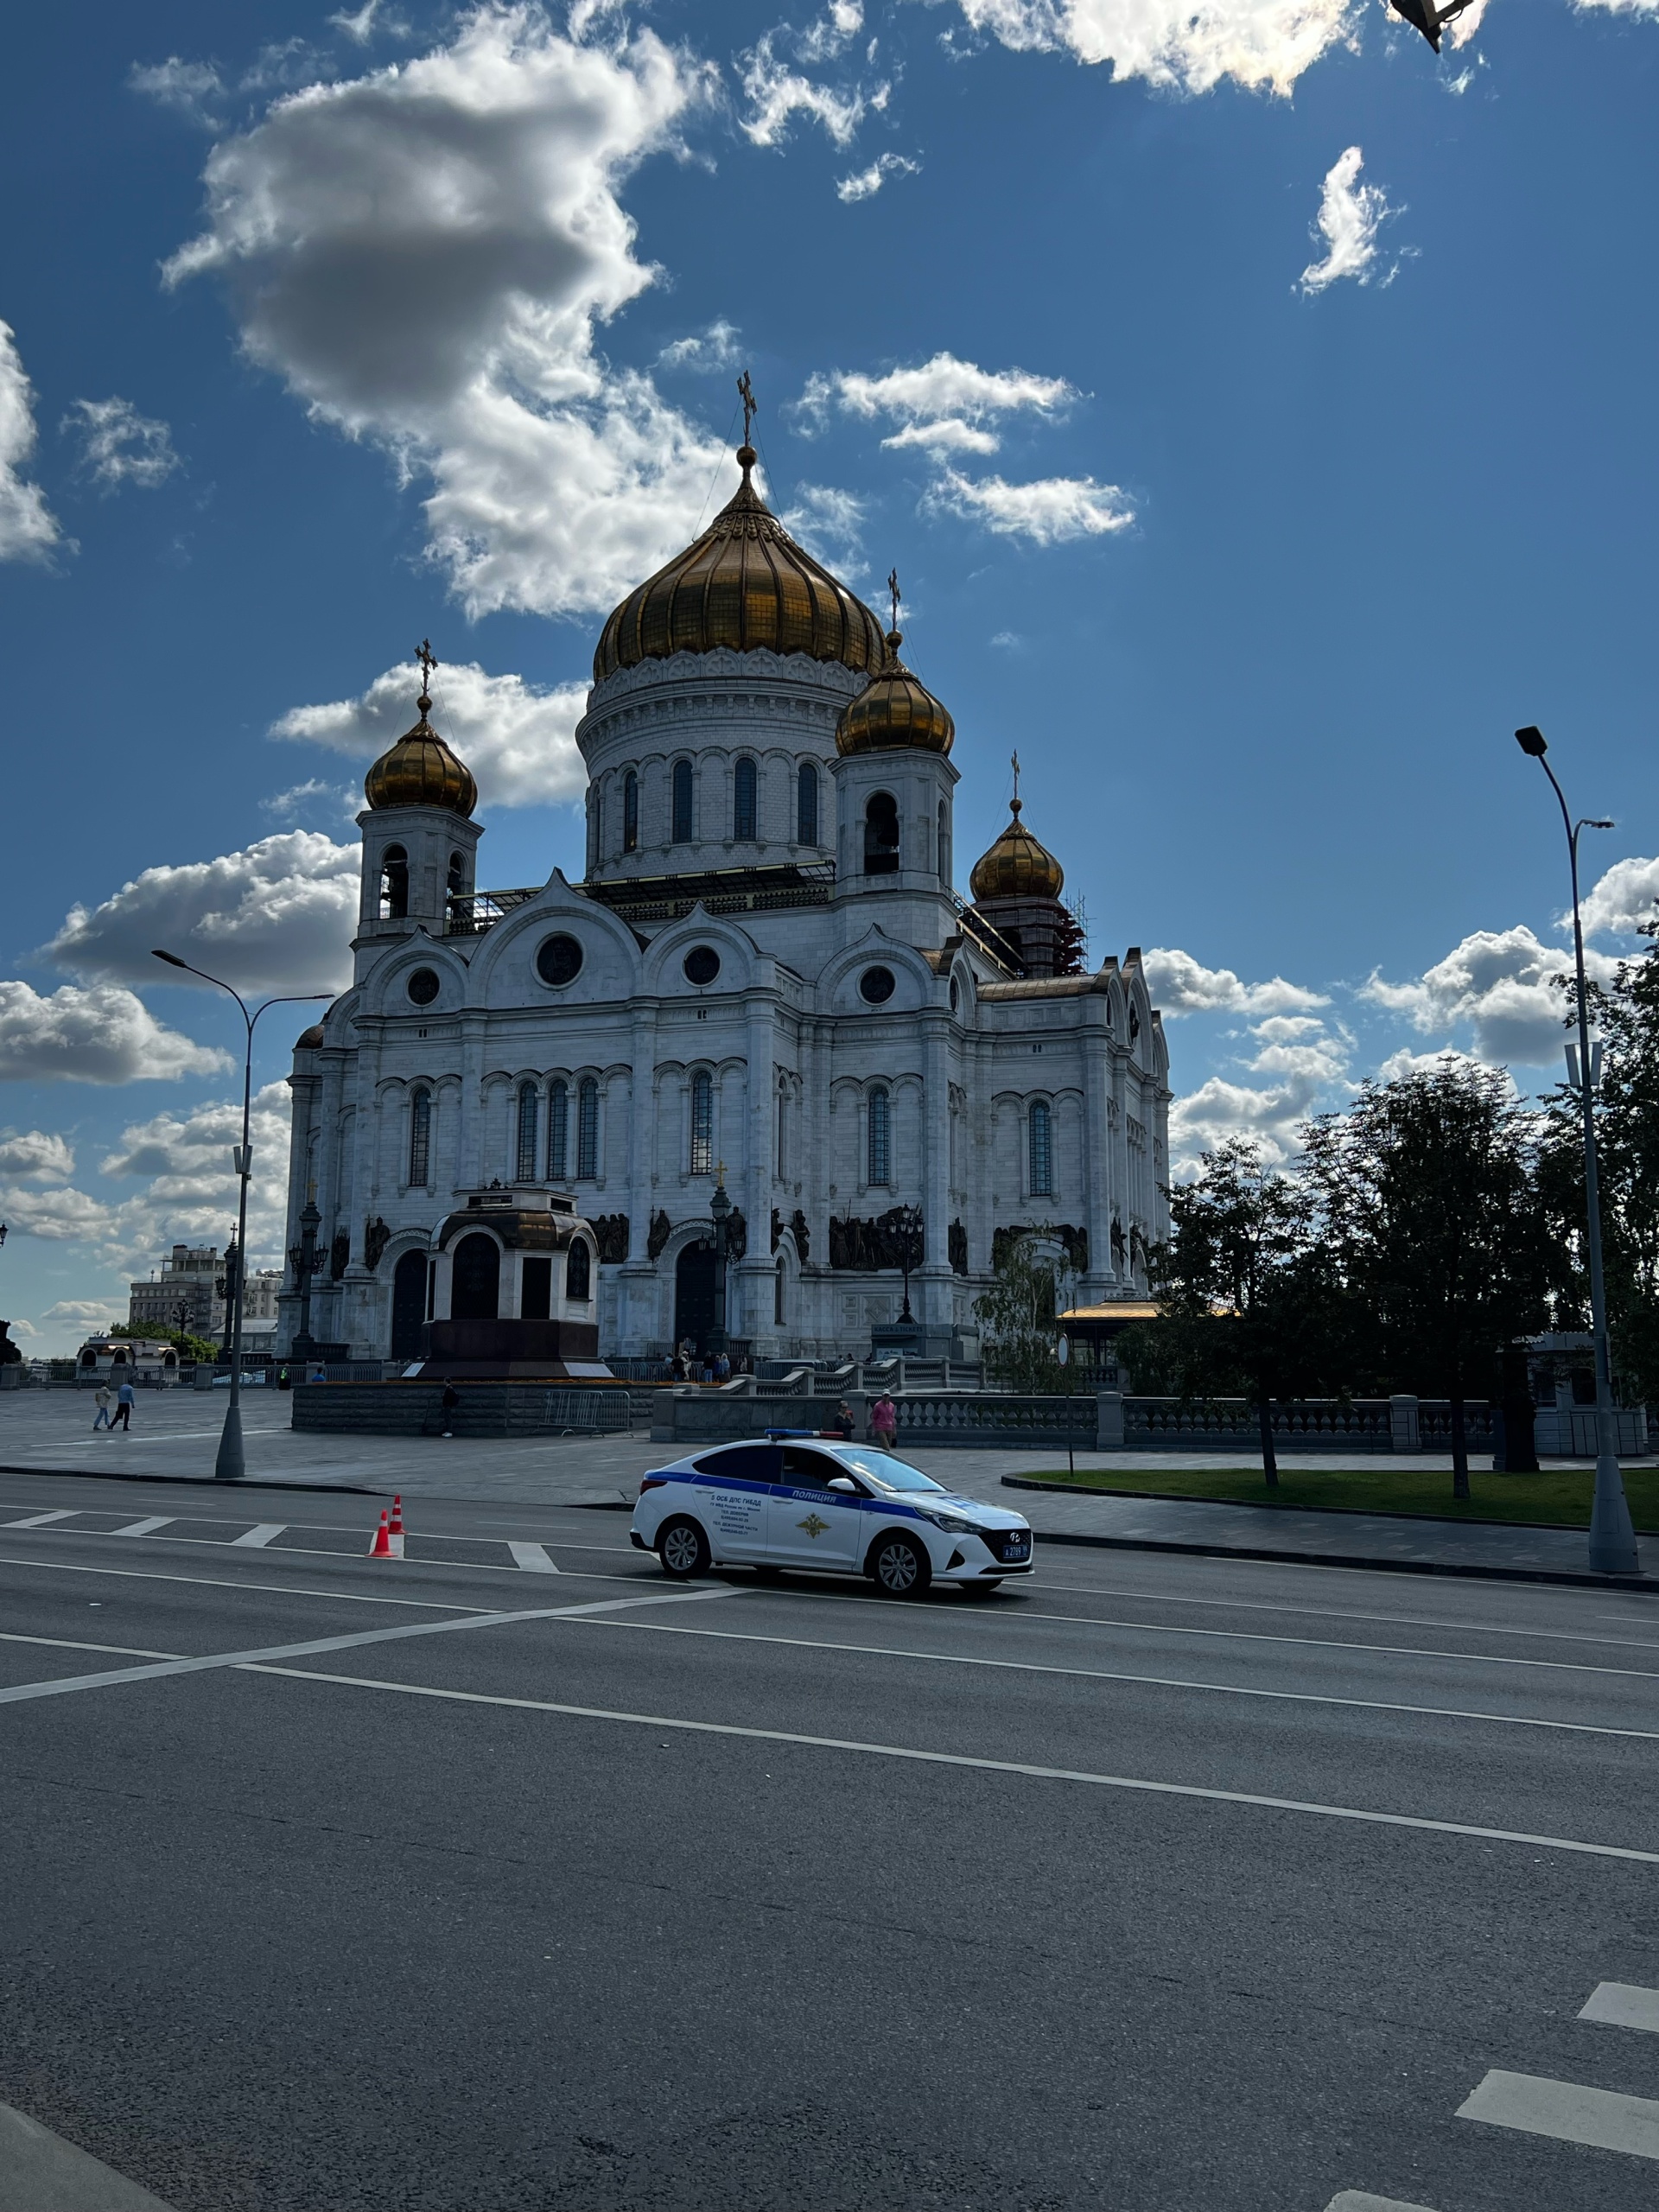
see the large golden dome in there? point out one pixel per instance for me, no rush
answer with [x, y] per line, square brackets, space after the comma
[1016, 866]
[743, 583]
[420, 770]
[894, 710]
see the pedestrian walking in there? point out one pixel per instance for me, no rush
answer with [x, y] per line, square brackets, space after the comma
[883, 1422]
[101, 1400]
[843, 1424]
[449, 1401]
[124, 1403]
[722, 1368]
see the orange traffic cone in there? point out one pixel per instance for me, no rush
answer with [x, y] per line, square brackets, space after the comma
[381, 1547]
[396, 1530]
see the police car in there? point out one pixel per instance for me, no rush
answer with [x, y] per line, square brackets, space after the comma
[830, 1508]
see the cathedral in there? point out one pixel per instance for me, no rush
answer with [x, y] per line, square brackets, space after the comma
[765, 995]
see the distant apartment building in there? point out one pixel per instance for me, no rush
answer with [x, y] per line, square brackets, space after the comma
[184, 1294]
[259, 1303]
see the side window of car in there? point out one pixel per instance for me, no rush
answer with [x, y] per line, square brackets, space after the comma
[808, 1470]
[741, 1463]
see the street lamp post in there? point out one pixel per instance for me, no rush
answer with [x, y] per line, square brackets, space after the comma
[720, 1207]
[1612, 1538]
[304, 1257]
[230, 1464]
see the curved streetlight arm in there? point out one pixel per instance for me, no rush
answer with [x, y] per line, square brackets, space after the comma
[231, 1465]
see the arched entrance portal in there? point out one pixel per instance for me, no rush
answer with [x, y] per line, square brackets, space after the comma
[475, 1280]
[693, 1297]
[408, 1306]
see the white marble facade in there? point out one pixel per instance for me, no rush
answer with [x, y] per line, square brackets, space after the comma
[740, 1032]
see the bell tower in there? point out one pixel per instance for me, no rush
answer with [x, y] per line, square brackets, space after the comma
[420, 843]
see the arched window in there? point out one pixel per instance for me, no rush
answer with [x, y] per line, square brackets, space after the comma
[944, 845]
[702, 1122]
[743, 802]
[1041, 1137]
[881, 835]
[880, 1147]
[456, 883]
[420, 1138]
[578, 1272]
[778, 1279]
[475, 1279]
[587, 1128]
[528, 1119]
[558, 1131]
[681, 830]
[806, 805]
[394, 883]
[630, 812]
[596, 820]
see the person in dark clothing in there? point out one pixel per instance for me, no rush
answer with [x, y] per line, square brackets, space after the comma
[125, 1401]
[449, 1401]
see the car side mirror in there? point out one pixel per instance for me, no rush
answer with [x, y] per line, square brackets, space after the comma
[844, 1485]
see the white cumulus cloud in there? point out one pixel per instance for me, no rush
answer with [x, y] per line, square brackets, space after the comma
[704, 351]
[38, 1154]
[28, 528]
[518, 743]
[1497, 983]
[1190, 45]
[942, 404]
[1049, 511]
[864, 184]
[1623, 898]
[1180, 984]
[120, 446]
[190, 88]
[425, 253]
[778, 91]
[104, 1034]
[1351, 215]
[830, 523]
[278, 915]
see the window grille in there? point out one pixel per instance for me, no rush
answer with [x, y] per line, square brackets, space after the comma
[806, 805]
[529, 1118]
[682, 827]
[880, 1138]
[588, 1129]
[420, 1138]
[743, 802]
[578, 1272]
[944, 845]
[1042, 1151]
[702, 1122]
[558, 1132]
[630, 812]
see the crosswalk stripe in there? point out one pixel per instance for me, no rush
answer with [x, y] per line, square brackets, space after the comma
[1361, 2200]
[146, 1527]
[1566, 2110]
[532, 1558]
[39, 1520]
[1622, 2004]
[255, 1539]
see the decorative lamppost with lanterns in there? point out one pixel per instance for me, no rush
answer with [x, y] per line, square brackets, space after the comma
[720, 1207]
[305, 1260]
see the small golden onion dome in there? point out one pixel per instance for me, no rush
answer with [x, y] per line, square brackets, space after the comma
[420, 770]
[308, 1040]
[894, 710]
[1016, 866]
[746, 584]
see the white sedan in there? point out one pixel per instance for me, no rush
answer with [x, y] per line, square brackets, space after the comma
[830, 1508]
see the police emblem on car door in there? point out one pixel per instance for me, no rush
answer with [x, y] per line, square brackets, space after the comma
[810, 1524]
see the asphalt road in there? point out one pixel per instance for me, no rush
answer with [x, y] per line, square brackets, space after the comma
[544, 1883]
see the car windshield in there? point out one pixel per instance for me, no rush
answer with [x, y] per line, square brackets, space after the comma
[886, 1472]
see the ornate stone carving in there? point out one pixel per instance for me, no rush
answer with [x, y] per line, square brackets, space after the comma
[376, 1237]
[777, 1228]
[611, 1235]
[956, 1238]
[1120, 1248]
[801, 1235]
[864, 1246]
[661, 1229]
[1076, 1240]
[340, 1254]
[737, 1235]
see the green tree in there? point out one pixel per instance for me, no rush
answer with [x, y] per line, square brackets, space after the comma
[1033, 1283]
[1626, 1012]
[1426, 1200]
[1250, 1304]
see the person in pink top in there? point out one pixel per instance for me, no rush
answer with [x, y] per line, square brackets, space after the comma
[884, 1421]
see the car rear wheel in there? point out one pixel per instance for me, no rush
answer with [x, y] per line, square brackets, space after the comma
[898, 1566]
[684, 1550]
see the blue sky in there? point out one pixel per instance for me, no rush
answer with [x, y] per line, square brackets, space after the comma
[1258, 412]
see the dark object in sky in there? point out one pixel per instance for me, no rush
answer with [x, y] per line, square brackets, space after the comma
[1425, 16]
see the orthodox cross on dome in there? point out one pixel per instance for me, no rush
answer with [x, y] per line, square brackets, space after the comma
[1014, 802]
[429, 661]
[751, 407]
[892, 593]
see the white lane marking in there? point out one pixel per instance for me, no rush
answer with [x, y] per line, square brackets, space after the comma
[280, 1589]
[17, 1693]
[1151, 1682]
[328, 1551]
[67, 1643]
[147, 1528]
[39, 1520]
[1567, 2110]
[256, 1539]
[532, 1558]
[963, 1759]
[1361, 2200]
[1622, 2004]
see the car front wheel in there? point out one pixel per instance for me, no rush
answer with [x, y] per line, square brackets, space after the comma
[898, 1566]
[684, 1550]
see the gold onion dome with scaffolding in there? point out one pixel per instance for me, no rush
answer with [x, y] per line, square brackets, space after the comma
[744, 584]
[420, 770]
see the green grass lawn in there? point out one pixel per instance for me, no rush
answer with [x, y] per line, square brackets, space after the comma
[1562, 1496]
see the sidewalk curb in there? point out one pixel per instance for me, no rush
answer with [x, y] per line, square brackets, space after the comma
[206, 1482]
[1244, 1505]
[1637, 1584]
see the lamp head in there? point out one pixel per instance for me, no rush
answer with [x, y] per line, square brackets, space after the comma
[1592, 823]
[171, 958]
[1531, 739]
